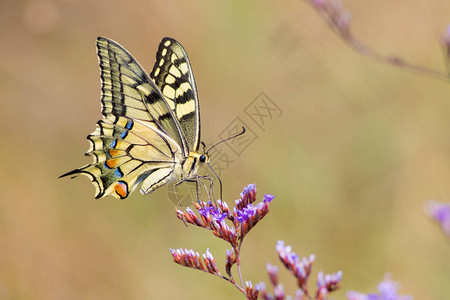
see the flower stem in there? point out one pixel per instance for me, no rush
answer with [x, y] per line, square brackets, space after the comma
[238, 255]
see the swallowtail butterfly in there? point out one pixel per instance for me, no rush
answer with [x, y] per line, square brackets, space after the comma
[150, 131]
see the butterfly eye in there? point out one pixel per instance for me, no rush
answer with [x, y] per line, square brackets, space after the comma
[202, 158]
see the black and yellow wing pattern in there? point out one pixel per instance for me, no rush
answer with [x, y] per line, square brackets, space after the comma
[173, 75]
[148, 133]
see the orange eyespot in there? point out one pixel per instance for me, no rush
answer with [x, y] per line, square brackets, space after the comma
[111, 163]
[121, 188]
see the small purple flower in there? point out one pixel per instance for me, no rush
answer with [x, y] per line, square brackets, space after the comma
[245, 213]
[215, 213]
[387, 288]
[247, 196]
[249, 189]
[268, 198]
[441, 213]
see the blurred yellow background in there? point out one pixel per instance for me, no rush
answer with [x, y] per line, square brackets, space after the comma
[357, 151]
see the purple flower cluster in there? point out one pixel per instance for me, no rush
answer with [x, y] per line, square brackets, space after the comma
[387, 291]
[229, 225]
[440, 212]
[214, 215]
[301, 269]
[232, 225]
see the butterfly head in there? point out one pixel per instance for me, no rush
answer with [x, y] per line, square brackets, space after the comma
[193, 163]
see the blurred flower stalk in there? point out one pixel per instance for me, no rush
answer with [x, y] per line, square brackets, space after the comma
[232, 225]
[339, 20]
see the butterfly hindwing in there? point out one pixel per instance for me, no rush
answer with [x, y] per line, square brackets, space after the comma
[172, 74]
[126, 153]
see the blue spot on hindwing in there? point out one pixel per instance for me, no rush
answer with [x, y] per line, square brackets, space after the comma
[118, 173]
[114, 144]
[129, 124]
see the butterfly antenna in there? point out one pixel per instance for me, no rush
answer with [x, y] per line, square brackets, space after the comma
[227, 139]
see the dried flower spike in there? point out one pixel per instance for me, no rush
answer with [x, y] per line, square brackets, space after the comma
[191, 259]
[251, 293]
[300, 269]
[273, 274]
[327, 284]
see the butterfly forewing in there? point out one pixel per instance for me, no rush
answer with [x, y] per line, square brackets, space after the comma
[172, 73]
[128, 91]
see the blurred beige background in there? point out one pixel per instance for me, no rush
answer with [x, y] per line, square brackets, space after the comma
[357, 151]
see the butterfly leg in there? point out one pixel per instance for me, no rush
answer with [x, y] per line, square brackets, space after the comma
[204, 186]
[178, 201]
[211, 193]
[197, 188]
[218, 178]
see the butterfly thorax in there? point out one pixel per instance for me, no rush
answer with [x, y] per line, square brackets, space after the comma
[192, 164]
